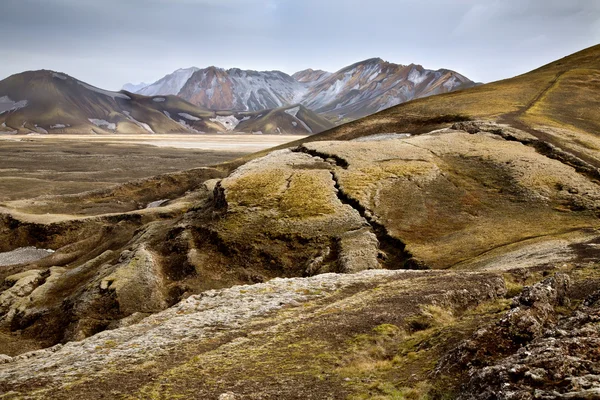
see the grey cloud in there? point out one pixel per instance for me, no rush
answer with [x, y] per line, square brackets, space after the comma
[111, 42]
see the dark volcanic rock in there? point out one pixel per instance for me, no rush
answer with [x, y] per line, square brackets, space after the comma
[561, 360]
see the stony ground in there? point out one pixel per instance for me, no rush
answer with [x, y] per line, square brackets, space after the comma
[33, 166]
[23, 255]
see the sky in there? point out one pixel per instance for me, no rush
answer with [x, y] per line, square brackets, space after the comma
[112, 42]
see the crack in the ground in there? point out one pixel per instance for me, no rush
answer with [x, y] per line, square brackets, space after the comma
[339, 161]
[396, 255]
[547, 149]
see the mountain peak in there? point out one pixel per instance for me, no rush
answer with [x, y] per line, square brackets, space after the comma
[310, 75]
[134, 87]
[374, 60]
[353, 92]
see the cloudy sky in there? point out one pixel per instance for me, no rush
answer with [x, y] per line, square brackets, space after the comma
[110, 42]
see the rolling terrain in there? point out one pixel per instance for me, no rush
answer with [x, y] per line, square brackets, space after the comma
[43, 102]
[351, 93]
[443, 248]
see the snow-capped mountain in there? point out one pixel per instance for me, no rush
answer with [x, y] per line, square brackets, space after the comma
[239, 90]
[351, 93]
[373, 85]
[134, 87]
[311, 76]
[43, 102]
[170, 84]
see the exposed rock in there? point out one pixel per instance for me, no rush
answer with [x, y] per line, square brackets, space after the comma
[136, 283]
[358, 251]
[20, 285]
[245, 312]
[559, 357]
[23, 255]
[5, 359]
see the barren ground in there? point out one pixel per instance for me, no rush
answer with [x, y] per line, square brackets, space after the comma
[32, 166]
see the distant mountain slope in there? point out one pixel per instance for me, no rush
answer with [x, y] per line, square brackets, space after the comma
[373, 85]
[311, 76]
[558, 103]
[295, 119]
[234, 89]
[134, 87]
[50, 102]
[170, 84]
[562, 95]
[351, 93]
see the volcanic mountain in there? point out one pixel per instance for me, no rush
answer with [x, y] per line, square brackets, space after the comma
[457, 260]
[374, 85]
[353, 92]
[50, 102]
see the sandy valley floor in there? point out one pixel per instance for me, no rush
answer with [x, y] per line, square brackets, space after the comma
[57, 164]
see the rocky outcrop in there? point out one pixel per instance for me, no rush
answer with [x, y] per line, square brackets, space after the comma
[326, 310]
[551, 356]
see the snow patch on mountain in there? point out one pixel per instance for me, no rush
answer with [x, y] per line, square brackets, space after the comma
[41, 130]
[451, 83]
[416, 77]
[189, 117]
[101, 123]
[6, 104]
[230, 122]
[59, 76]
[170, 84]
[138, 123]
[293, 111]
[159, 99]
[374, 75]
[11, 132]
[186, 126]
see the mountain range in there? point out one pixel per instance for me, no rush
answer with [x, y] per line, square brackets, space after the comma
[353, 92]
[51, 102]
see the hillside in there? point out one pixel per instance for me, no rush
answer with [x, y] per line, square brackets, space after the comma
[446, 248]
[168, 85]
[311, 76]
[351, 93]
[49, 102]
[295, 119]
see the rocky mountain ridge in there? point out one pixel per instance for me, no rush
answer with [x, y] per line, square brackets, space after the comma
[353, 92]
[43, 102]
